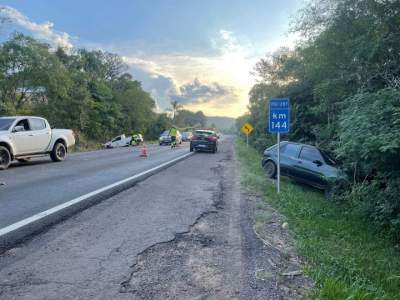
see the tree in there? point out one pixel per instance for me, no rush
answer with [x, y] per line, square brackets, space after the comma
[175, 107]
[189, 119]
[29, 74]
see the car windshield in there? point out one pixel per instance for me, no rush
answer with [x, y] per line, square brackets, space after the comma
[273, 147]
[328, 159]
[165, 133]
[204, 132]
[5, 123]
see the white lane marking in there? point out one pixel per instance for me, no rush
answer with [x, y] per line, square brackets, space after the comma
[41, 215]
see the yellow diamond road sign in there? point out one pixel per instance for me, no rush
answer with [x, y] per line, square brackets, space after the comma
[247, 128]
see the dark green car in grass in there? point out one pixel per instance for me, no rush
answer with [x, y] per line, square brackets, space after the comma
[306, 164]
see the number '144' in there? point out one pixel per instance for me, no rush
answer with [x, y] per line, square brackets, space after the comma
[279, 125]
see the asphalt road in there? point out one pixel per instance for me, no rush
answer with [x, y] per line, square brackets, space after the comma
[90, 254]
[38, 185]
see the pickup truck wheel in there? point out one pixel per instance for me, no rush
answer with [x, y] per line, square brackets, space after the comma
[59, 152]
[5, 158]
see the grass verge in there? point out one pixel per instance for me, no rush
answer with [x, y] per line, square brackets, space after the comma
[344, 255]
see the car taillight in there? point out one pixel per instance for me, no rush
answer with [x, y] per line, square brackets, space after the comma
[193, 138]
[212, 138]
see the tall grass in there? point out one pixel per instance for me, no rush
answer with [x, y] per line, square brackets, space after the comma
[344, 255]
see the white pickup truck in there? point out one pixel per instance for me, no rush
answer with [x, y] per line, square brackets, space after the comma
[124, 141]
[22, 138]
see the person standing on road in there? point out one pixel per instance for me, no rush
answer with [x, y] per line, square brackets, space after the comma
[133, 139]
[172, 134]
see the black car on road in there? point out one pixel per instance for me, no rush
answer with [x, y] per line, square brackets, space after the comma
[303, 163]
[204, 140]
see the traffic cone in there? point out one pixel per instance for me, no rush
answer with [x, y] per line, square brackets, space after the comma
[143, 151]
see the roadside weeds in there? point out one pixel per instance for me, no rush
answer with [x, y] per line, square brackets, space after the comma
[345, 257]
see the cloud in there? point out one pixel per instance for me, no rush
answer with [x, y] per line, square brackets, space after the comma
[159, 86]
[216, 83]
[43, 31]
[197, 92]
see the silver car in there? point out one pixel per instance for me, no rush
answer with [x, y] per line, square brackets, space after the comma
[165, 138]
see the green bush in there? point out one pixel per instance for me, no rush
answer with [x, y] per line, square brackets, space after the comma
[379, 202]
[369, 132]
[369, 135]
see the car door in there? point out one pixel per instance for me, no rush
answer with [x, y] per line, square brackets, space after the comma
[309, 167]
[41, 135]
[289, 155]
[22, 140]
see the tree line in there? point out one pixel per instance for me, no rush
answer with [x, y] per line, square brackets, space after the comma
[90, 92]
[343, 80]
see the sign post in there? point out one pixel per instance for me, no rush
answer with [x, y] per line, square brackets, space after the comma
[247, 128]
[279, 122]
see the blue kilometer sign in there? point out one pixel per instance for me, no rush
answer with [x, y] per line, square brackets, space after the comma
[279, 115]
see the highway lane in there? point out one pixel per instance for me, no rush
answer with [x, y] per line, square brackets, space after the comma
[41, 184]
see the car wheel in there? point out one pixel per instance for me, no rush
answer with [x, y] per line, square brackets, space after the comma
[191, 148]
[215, 149]
[5, 158]
[270, 169]
[59, 152]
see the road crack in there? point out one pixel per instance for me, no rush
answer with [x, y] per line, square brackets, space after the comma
[181, 265]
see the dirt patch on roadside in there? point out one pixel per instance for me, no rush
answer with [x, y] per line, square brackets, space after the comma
[284, 265]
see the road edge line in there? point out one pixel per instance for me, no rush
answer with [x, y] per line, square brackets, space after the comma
[21, 230]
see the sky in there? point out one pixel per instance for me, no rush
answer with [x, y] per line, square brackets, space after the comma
[198, 52]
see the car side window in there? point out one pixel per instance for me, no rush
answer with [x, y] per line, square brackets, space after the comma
[37, 124]
[290, 150]
[310, 154]
[24, 123]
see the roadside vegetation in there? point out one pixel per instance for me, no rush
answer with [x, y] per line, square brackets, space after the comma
[345, 255]
[90, 92]
[343, 81]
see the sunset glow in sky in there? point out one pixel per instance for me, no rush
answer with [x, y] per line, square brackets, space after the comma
[199, 53]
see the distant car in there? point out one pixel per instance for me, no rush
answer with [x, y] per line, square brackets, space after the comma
[165, 138]
[303, 163]
[24, 137]
[204, 140]
[118, 141]
[186, 136]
